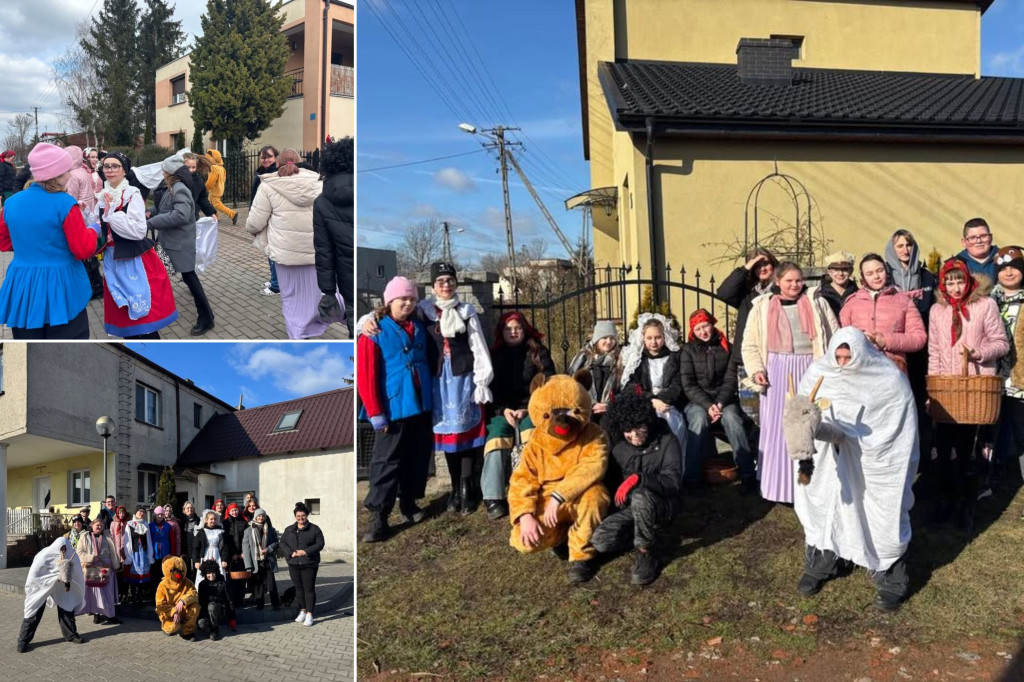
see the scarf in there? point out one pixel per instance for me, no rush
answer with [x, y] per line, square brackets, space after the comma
[451, 322]
[959, 305]
[780, 336]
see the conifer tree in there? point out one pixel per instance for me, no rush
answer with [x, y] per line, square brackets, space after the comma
[198, 145]
[165, 490]
[238, 83]
[112, 46]
[160, 41]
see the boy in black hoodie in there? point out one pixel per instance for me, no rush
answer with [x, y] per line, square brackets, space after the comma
[644, 471]
[214, 603]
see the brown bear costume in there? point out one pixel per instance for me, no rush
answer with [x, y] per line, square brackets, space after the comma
[173, 588]
[565, 460]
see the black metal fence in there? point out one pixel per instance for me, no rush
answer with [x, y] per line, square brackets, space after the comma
[241, 168]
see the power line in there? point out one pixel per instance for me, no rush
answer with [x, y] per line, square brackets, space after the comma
[416, 163]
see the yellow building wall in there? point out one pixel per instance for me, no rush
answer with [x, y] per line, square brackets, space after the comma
[897, 36]
[20, 482]
[863, 194]
[286, 130]
[341, 112]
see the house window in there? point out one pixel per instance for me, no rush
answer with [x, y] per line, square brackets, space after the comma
[288, 421]
[197, 416]
[313, 505]
[147, 404]
[178, 90]
[380, 270]
[147, 487]
[209, 502]
[78, 486]
[237, 498]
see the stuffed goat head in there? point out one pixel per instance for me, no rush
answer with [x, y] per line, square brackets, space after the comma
[801, 419]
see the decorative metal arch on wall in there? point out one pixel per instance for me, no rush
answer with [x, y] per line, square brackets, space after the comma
[797, 191]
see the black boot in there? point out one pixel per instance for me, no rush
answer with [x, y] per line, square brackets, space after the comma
[496, 509]
[809, 585]
[454, 500]
[580, 571]
[379, 530]
[468, 498]
[645, 568]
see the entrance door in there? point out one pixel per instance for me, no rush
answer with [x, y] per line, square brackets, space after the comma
[41, 493]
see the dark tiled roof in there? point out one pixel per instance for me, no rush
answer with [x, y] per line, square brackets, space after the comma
[693, 94]
[327, 421]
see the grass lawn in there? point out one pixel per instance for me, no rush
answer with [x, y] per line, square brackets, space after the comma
[450, 599]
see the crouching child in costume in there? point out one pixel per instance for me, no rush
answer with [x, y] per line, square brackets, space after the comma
[862, 439]
[55, 579]
[645, 468]
[177, 602]
[214, 603]
[556, 492]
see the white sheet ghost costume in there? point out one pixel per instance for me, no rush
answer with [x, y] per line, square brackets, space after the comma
[55, 580]
[857, 505]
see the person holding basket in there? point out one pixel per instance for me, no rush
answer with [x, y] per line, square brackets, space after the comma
[965, 337]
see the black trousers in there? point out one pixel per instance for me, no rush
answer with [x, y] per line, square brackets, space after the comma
[400, 462]
[304, 580]
[65, 618]
[263, 582]
[635, 525]
[215, 614]
[195, 287]
[824, 564]
[78, 328]
[961, 477]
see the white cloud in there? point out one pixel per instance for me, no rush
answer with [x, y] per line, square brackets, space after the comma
[454, 179]
[1007, 63]
[298, 373]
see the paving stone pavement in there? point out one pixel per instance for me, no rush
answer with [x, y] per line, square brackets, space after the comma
[279, 651]
[232, 285]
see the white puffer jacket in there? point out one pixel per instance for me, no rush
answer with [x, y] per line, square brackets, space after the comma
[281, 217]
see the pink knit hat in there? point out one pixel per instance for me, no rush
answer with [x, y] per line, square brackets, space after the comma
[48, 161]
[399, 287]
[76, 155]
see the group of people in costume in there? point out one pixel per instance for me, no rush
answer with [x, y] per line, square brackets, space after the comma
[191, 568]
[74, 207]
[601, 459]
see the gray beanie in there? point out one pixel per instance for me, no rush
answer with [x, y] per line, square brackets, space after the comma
[257, 513]
[172, 163]
[602, 329]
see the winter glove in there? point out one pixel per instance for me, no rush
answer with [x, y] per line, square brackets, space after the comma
[623, 492]
[329, 308]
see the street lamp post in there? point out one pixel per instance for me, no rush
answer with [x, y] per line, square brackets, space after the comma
[105, 427]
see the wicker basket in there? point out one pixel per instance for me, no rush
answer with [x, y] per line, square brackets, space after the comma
[718, 470]
[240, 575]
[965, 399]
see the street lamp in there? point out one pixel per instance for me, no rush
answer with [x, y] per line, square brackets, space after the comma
[105, 427]
[468, 127]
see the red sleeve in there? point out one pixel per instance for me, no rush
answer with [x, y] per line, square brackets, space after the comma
[5, 235]
[368, 367]
[81, 239]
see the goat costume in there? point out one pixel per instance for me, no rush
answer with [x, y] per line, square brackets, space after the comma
[857, 504]
[566, 460]
[55, 580]
[173, 588]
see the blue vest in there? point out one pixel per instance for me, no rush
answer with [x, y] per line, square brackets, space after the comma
[402, 358]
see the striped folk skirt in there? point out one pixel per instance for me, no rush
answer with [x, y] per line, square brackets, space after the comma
[300, 298]
[775, 469]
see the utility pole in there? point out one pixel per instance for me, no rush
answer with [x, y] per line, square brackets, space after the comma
[37, 123]
[447, 248]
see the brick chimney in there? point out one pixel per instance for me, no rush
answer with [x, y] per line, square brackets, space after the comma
[766, 61]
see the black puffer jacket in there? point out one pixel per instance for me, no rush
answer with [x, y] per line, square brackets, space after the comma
[234, 529]
[215, 592]
[834, 299]
[23, 176]
[256, 181]
[671, 390]
[309, 539]
[513, 372]
[333, 237]
[657, 463]
[735, 290]
[708, 372]
[7, 174]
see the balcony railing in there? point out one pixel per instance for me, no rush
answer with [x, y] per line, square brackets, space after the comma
[22, 521]
[343, 81]
[296, 76]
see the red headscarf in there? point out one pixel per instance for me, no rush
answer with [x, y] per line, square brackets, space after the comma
[227, 510]
[959, 305]
[6, 155]
[528, 331]
[700, 315]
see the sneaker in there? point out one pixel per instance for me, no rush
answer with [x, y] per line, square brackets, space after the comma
[76, 639]
[809, 585]
[645, 568]
[267, 291]
[234, 220]
[266, 285]
[309, 620]
[301, 617]
[496, 509]
[580, 572]
[412, 514]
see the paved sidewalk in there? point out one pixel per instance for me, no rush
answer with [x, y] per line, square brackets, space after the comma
[232, 285]
[282, 651]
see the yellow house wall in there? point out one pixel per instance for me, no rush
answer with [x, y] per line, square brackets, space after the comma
[286, 130]
[20, 481]
[341, 112]
[863, 192]
[932, 37]
[13, 406]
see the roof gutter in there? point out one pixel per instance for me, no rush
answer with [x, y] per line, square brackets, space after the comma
[649, 173]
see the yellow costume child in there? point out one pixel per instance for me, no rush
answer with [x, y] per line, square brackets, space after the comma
[556, 491]
[174, 590]
[215, 184]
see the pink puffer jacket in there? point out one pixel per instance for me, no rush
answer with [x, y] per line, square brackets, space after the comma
[892, 314]
[983, 334]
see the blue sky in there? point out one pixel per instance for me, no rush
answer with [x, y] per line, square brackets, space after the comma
[263, 373]
[529, 51]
